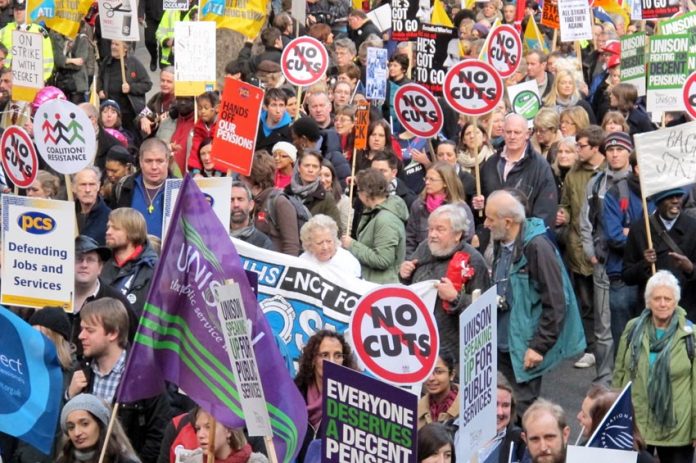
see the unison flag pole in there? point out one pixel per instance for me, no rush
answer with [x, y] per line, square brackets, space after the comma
[109, 429]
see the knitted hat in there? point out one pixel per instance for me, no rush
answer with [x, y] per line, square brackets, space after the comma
[53, 318]
[286, 148]
[110, 103]
[88, 402]
[620, 139]
[657, 197]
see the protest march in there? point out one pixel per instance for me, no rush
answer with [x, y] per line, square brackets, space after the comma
[347, 231]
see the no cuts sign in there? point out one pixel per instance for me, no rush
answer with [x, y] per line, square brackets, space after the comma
[505, 50]
[418, 110]
[304, 61]
[473, 88]
[689, 94]
[395, 335]
[19, 156]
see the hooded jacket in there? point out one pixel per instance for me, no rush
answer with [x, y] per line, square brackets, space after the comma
[133, 279]
[381, 243]
[544, 313]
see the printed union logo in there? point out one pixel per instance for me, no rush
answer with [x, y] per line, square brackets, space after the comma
[36, 223]
[59, 131]
[527, 104]
[210, 199]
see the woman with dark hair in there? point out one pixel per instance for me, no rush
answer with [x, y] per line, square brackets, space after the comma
[324, 346]
[601, 404]
[440, 402]
[442, 186]
[331, 184]
[435, 444]
[84, 420]
[306, 184]
[379, 138]
[473, 135]
[207, 165]
[381, 242]
[623, 98]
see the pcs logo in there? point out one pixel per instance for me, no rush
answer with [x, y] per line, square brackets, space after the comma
[36, 223]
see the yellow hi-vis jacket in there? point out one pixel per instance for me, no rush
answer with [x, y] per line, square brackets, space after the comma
[166, 31]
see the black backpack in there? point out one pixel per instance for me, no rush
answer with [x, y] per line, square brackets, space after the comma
[301, 211]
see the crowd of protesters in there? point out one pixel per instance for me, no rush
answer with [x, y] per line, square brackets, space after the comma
[548, 210]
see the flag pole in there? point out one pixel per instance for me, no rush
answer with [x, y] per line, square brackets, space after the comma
[554, 40]
[299, 101]
[351, 187]
[109, 429]
[211, 439]
[477, 170]
[270, 449]
[582, 430]
[646, 218]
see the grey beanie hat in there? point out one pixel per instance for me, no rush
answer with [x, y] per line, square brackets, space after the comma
[88, 402]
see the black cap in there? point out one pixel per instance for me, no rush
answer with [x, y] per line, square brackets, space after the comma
[85, 244]
[19, 4]
[53, 318]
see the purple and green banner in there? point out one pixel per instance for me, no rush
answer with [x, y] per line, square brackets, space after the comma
[180, 340]
[31, 383]
[363, 416]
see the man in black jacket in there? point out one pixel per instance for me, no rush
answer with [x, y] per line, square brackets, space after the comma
[360, 27]
[519, 166]
[240, 218]
[673, 247]
[104, 336]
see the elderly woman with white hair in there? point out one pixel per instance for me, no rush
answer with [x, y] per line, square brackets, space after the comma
[656, 352]
[322, 247]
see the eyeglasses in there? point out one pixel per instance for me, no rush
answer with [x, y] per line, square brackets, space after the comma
[542, 130]
[581, 146]
[433, 179]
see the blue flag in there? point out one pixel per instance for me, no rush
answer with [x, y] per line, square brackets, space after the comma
[31, 383]
[616, 430]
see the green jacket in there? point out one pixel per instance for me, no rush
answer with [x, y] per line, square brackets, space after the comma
[544, 315]
[381, 243]
[683, 380]
[573, 196]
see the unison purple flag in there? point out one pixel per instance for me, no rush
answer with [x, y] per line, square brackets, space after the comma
[179, 338]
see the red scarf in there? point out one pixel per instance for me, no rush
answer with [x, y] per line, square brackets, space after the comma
[240, 456]
[436, 408]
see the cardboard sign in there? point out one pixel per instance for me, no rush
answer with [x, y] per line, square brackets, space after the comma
[504, 50]
[667, 71]
[395, 335]
[380, 17]
[689, 95]
[577, 454]
[632, 69]
[119, 20]
[666, 158]
[176, 5]
[437, 50]
[418, 110]
[19, 160]
[217, 190]
[298, 11]
[304, 61]
[478, 366]
[683, 24]
[576, 22]
[525, 100]
[656, 9]
[238, 124]
[473, 88]
[362, 122]
[376, 74]
[363, 416]
[549, 15]
[236, 330]
[38, 259]
[64, 136]
[404, 24]
[27, 65]
[194, 67]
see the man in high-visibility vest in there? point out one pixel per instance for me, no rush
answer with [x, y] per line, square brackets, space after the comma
[19, 23]
[165, 32]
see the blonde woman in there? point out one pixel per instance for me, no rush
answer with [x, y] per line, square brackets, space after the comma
[565, 94]
[573, 120]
